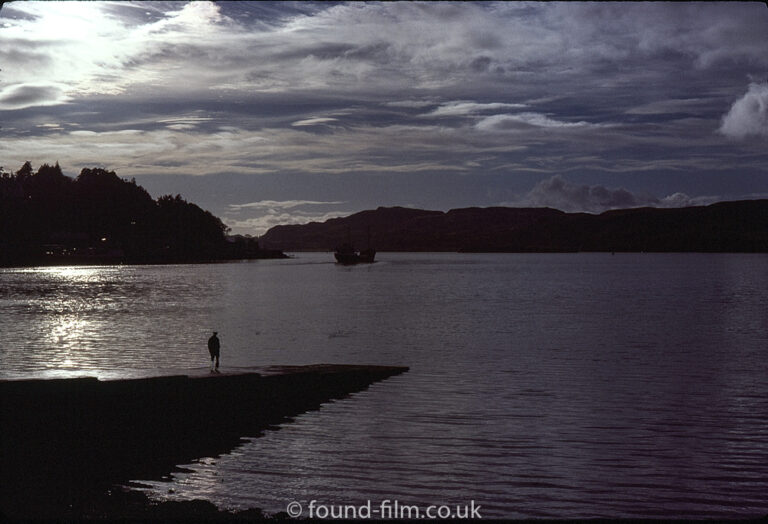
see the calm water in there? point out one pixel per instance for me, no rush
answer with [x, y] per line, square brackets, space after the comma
[571, 385]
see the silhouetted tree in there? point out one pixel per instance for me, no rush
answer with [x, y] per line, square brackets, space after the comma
[48, 202]
[24, 171]
[96, 209]
[111, 208]
[188, 230]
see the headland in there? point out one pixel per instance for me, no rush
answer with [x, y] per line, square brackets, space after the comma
[65, 442]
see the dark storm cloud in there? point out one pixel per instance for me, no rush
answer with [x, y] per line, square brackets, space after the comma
[22, 54]
[9, 11]
[270, 13]
[18, 97]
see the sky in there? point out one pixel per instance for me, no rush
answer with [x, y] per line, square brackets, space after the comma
[269, 113]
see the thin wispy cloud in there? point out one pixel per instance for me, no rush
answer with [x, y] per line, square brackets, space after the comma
[471, 108]
[314, 121]
[282, 204]
[523, 120]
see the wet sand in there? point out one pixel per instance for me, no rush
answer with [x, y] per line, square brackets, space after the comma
[65, 442]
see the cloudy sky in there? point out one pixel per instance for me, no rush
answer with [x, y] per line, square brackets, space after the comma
[268, 113]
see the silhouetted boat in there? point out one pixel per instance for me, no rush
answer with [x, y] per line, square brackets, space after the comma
[347, 254]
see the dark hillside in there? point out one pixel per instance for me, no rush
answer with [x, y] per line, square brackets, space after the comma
[740, 226]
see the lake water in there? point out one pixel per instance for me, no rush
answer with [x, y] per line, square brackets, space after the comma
[541, 385]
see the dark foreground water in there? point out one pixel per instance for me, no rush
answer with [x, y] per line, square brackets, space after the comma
[564, 385]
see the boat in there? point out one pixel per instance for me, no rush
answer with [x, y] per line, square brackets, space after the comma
[347, 254]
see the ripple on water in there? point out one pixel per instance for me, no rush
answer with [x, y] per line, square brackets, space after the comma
[550, 386]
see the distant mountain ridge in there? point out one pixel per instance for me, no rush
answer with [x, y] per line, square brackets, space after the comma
[738, 226]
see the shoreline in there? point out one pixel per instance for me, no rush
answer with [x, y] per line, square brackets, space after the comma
[84, 262]
[66, 442]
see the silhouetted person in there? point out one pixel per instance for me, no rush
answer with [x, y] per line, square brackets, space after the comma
[214, 347]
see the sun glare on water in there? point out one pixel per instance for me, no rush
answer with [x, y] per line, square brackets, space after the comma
[70, 326]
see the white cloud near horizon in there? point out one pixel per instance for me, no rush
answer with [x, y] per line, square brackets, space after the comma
[558, 193]
[259, 225]
[748, 116]
[256, 218]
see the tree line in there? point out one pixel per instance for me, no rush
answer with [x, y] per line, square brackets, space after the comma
[46, 216]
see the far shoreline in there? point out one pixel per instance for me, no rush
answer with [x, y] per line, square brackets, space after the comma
[290, 254]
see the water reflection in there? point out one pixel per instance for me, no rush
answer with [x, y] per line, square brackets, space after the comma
[540, 385]
[57, 314]
[65, 337]
[74, 273]
[109, 321]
